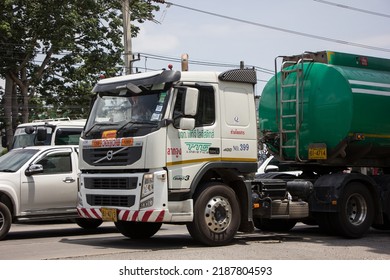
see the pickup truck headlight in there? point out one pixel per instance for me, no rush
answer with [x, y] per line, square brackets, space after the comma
[147, 185]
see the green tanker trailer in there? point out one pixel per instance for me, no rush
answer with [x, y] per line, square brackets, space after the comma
[327, 113]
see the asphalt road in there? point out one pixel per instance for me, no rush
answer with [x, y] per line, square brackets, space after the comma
[69, 242]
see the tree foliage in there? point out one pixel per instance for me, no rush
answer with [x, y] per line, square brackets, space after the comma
[51, 54]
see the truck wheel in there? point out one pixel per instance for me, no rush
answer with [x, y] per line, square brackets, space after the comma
[137, 230]
[88, 223]
[356, 211]
[216, 215]
[279, 225]
[5, 220]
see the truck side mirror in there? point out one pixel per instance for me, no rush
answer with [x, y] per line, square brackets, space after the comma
[191, 101]
[41, 134]
[187, 123]
[187, 109]
[34, 169]
[29, 130]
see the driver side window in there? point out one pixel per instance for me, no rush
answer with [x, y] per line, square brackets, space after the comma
[56, 163]
[206, 107]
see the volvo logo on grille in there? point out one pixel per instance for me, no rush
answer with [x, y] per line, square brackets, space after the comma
[110, 155]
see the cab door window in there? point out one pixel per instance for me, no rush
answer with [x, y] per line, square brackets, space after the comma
[56, 163]
[206, 107]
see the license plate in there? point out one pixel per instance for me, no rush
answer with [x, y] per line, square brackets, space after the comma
[317, 151]
[109, 214]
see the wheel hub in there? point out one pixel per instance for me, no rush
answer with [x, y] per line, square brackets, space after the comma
[356, 209]
[218, 214]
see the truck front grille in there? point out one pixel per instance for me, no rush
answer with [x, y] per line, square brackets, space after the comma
[112, 156]
[111, 200]
[112, 183]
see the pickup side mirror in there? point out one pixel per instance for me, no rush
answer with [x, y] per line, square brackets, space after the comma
[34, 169]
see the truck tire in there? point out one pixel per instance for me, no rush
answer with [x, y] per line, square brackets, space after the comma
[216, 215]
[137, 230]
[278, 225]
[5, 220]
[88, 223]
[356, 211]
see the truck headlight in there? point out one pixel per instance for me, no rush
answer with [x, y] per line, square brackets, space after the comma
[147, 185]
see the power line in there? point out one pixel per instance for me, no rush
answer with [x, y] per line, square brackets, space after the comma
[353, 8]
[204, 63]
[323, 38]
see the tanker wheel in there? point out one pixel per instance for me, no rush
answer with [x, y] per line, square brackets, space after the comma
[356, 211]
[279, 225]
[216, 215]
[88, 223]
[137, 230]
[5, 220]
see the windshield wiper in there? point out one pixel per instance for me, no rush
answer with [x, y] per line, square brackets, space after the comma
[7, 170]
[133, 122]
[93, 126]
[126, 124]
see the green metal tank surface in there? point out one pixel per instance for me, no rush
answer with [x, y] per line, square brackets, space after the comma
[342, 112]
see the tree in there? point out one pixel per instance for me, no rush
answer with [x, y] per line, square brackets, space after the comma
[51, 53]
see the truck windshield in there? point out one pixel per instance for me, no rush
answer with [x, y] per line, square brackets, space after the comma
[117, 111]
[15, 159]
[23, 139]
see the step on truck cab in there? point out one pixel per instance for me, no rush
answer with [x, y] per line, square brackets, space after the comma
[174, 147]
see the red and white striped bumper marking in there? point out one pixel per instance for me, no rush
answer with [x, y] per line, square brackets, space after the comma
[128, 215]
[89, 213]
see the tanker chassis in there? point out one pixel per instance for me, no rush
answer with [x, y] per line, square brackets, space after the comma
[182, 147]
[326, 114]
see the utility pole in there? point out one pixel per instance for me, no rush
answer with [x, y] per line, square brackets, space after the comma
[127, 35]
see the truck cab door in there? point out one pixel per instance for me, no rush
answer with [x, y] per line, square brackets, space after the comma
[54, 189]
[188, 150]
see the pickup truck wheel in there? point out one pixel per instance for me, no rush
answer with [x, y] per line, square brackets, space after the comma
[216, 215]
[88, 223]
[5, 220]
[356, 211]
[137, 230]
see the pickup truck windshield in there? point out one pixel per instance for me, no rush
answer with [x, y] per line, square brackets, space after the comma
[15, 159]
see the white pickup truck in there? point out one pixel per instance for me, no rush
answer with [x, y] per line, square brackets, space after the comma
[39, 184]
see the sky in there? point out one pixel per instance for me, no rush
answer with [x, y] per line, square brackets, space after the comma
[218, 40]
[363, 27]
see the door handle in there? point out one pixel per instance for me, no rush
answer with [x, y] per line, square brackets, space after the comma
[68, 180]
